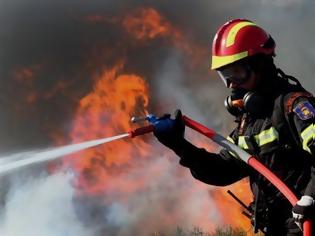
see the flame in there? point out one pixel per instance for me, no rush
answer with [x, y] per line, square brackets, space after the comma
[106, 112]
[147, 23]
[143, 24]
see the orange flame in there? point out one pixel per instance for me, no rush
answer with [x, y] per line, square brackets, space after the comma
[147, 23]
[106, 112]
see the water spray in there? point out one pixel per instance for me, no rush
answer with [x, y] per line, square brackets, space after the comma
[15, 161]
[23, 159]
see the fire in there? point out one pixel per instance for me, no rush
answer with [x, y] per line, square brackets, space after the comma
[106, 112]
[147, 23]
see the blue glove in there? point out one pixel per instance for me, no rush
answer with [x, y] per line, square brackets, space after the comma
[169, 132]
[303, 209]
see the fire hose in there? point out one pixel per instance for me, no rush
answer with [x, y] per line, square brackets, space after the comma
[240, 153]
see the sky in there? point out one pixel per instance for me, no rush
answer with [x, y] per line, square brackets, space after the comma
[53, 53]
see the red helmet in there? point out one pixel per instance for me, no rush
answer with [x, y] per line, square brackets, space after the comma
[238, 39]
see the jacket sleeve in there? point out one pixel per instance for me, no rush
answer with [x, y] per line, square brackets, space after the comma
[303, 111]
[215, 169]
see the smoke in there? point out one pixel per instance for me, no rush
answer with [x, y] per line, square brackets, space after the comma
[50, 54]
[158, 207]
[42, 206]
[198, 99]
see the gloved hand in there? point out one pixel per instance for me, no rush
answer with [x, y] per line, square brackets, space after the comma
[303, 209]
[170, 132]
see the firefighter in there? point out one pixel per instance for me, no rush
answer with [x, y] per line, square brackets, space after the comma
[275, 119]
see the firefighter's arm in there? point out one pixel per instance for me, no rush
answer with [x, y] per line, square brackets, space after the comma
[304, 121]
[303, 112]
[216, 169]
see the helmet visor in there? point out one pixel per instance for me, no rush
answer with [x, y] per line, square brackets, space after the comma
[237, 73]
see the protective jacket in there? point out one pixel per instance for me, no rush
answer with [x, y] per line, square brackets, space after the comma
[283, 139]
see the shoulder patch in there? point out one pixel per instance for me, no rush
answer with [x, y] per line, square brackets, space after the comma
[304, 110]
[291, 98]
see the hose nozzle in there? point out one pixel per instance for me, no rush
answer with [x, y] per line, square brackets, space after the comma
[135, 119]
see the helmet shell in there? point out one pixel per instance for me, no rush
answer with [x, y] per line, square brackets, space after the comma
[238, 39]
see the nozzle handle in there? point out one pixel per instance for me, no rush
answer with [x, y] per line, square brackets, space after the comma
[141, 131]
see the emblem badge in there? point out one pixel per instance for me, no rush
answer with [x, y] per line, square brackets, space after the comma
[304, 110]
